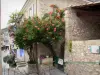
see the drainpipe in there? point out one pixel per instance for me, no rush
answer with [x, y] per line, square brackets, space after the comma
[36, 47]
[0, 43]
[36, 7]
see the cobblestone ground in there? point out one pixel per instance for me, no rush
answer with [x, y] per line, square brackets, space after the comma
[20, 71]
[16, 72]
[29, 69]
[32, 71]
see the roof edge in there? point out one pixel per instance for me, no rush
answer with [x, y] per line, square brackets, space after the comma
[85, 5]
[24, 5]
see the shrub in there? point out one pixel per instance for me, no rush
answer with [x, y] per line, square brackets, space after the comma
[5, 59]
[10, 59]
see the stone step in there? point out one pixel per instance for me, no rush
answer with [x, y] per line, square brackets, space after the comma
[21, 64]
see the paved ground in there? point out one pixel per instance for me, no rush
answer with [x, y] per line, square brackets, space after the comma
[28, 70]
[46, 72]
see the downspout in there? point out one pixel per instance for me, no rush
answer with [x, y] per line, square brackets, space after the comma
[36, 7]
[36, 47]
[0, 43]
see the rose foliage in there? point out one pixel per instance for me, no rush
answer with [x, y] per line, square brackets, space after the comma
[48, 29]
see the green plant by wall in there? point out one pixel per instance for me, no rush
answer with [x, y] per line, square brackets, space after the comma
[10, 59]
[70, 45]
[48, 29]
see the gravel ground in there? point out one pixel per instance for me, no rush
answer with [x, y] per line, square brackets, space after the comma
[28, 70]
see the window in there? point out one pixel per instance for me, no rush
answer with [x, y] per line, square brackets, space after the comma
[33, 10]
[26, 14]
[30, 12]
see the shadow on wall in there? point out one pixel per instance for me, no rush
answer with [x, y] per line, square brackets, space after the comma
[85, 24]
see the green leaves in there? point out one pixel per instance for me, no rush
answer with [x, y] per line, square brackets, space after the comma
[46, 15]
[10, 60]
[14, 17]
[48, 29]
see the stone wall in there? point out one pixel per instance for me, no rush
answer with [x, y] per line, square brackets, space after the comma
[43, 5]
[81, 53]
[43, 50]
[79, 26]
[83, 25]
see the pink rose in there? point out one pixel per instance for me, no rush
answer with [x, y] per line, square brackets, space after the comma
[58, 17]
[50, 13]
[54, 29]
[47, 29]
[63, 20]
[38, 28]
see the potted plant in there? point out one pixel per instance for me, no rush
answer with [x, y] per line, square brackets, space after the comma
[10, 59]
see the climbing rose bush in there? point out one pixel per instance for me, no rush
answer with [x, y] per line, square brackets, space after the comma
[50, 28]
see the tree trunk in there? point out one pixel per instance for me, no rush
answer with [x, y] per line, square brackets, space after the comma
[31, 54]
[52, 51]
[37, 63]
[61, 55]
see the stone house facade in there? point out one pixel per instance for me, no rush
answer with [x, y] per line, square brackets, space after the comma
[5, 39]
[30, 9]
[39, 7]
[82, 27]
